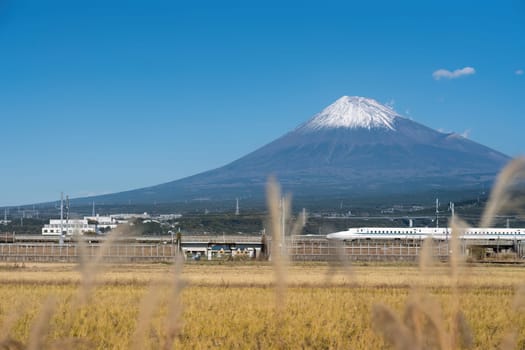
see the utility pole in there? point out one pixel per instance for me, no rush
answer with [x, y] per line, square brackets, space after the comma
[283, 218]
[437, 212]
[61, 241]
[283, 226]
[67, 214]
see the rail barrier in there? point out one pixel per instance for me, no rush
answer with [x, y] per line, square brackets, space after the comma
[72, 252]
[298, 248]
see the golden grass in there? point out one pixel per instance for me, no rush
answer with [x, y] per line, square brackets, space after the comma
[261, 275]
[231, 306]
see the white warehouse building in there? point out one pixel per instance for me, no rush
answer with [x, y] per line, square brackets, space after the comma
[92, 224]
[104, 223]
[70, 227]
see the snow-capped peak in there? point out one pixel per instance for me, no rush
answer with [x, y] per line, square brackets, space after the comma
[353, 112]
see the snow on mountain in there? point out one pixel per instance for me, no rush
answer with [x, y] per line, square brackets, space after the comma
[353, 112]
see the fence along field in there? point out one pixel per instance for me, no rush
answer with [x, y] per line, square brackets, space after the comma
[260, 305]
[297, 249]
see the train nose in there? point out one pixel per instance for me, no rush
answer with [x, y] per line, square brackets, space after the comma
[335, 235]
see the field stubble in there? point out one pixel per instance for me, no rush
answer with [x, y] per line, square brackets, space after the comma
[234, 306]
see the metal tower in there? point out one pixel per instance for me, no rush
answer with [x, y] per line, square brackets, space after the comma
[437, 212]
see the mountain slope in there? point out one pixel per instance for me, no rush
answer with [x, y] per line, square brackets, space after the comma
[355, 145]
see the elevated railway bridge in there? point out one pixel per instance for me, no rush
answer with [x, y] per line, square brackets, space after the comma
[206, 247]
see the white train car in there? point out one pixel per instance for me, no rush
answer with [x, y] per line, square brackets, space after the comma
[443, 233]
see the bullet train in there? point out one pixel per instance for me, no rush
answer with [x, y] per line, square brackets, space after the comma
[423, 232]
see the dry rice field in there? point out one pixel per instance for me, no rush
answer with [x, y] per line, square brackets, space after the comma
[255, 306]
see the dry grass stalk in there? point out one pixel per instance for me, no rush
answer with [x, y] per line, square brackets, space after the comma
[426, 256]
[277, 223]
[423, 325]
[464, 336]
[90, 266]
[388, 324]
[341, 260]
[41, 325]
[460, 330]
[458, 228]
[173, 319]
[424, 317]
[147, 307]
[501, 197]
[296, 226]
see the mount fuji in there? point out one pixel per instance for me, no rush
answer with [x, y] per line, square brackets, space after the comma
[355, 146]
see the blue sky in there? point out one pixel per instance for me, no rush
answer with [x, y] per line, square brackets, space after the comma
[104, 96]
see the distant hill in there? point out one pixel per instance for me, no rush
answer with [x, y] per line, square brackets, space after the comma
[354, 147]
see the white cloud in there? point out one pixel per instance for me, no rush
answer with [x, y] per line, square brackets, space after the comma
[446, 74]
[519, 72]
[391, 103]
[466, 133]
